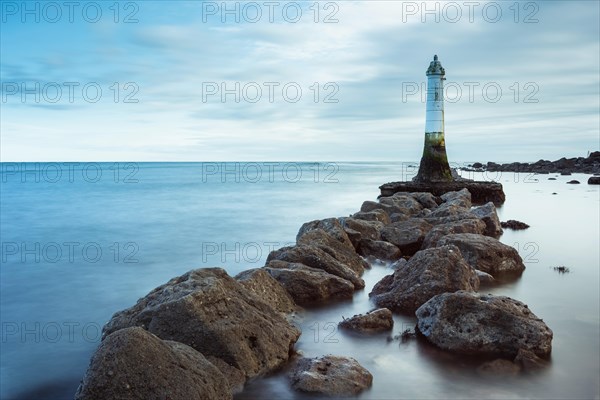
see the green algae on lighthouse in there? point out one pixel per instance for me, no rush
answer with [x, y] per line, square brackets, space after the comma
[434, 165]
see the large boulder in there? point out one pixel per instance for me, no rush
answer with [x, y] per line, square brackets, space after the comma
[469, 323]
[331, 376]
[428, 273]
[486, 254]
[338, 250]
[216, 315]
[263, 285]
[487, 213]
[330, 225]
[373, 215]
[309, 286]
[134, 364]
[408, 236]
[462, 198]
[426, 199]
[368, 229]
[404, 201]
[314, 257]
[389, 209]
[379, 320]
[471, 225]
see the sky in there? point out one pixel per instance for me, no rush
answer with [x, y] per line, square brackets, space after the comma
[297, 81]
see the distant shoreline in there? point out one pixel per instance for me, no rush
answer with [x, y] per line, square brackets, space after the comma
[586, 165]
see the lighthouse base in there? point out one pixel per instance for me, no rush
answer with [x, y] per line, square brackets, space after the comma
[434, 165]
[481, 192]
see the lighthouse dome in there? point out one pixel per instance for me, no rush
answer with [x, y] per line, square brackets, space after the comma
[435, 67]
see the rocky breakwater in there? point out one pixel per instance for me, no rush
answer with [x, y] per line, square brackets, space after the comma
[204, 334]
[566, 166]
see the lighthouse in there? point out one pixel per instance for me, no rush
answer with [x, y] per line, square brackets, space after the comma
[434, 162]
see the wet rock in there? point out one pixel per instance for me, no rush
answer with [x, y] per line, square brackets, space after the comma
[408, 236]
[379, 320]
[331, 376]
[314, 257]
[217, 316]
[529, 361]
[379, 249]
[341, 252]
[486, 254]
[469, 323]
[499, 368]
[309, 286]
[428, 273]
[462, 198]
[375, 215]
[487, 213]
[573, 182]
[485, 279]
[594, 180]
[331, 226]
[263, 285]
[134, 364]
[475, 226]
[514, 224]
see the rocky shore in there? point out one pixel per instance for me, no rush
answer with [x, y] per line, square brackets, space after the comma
[205, 334]
[586, 165]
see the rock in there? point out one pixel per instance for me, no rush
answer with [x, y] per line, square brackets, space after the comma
[486, 254]
[594, 180]
[369, 206]
[379, 320]
[331, 376]
[367, 229]
[406, 202]
[331, 226]
[477, 165]
[428, 273]
[379, 249]
[341, 252]
[217, 316]
[551, 179]
[263, 285]
[449, 213]
[399, 217]
[481, 192]
[487, 213]
[468, 323]
[427, 200]
[573, 182]
[514, 224]
[529, 361]
[134, 364]
[309, 286]
[408, 236]
[475, 226]
[485, 279]
[498, 368]
[397, 264]
[374, 215]
[354, 237]
[314, 257]
[462, 198]
[565, 173]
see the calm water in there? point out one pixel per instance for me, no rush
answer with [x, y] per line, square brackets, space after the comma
[78, 245]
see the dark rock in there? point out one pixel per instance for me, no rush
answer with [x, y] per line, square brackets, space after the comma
[565, 173]
[309, 286]
[374, 215]
[399, 217]
[475, 226]
[367, 229]
[468, 323]
[477, 165]
[498, 368]
[331, 226]
[354, 237]
[379, 320]
[573, 182]
[216, 315]
[551, 179]
[134, 364]
[341, 252]
[485, 279]
[263, 285]
[408, 236]
[379, 249]
[486, 254]
[397, 264]
[427, 273]
[314, 257]
[529, 361]
[481, 192]
[514, 224]
[331, 376]
[594, 180]
[462, 198]
[487, 213]
[427, 200]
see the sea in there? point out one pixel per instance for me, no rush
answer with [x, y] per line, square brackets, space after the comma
[80, 241]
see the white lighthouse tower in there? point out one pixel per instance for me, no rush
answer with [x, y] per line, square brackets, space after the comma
[434, 165]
